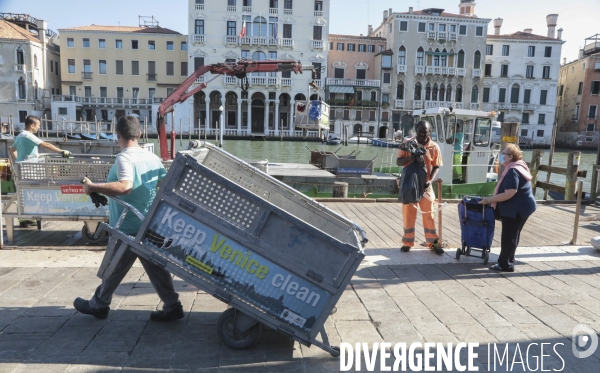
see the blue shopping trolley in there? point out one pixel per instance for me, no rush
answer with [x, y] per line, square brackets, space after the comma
[477, 225]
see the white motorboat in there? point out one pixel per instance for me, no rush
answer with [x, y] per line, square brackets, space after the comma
[359, 140]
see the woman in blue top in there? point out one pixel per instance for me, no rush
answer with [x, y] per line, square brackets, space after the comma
[516, 202]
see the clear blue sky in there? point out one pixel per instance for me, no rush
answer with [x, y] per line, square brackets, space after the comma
[578, 18]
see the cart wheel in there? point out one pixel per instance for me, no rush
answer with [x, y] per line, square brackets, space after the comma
[230, 337]
[468, 250]
[337, 351]
[486, 258]
[91, 237]
[458, 253]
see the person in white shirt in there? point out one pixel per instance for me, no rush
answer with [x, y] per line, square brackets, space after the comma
[27, 143]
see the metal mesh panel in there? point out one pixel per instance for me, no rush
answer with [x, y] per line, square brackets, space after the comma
[63, 171]
[220, 200]
[240, 178]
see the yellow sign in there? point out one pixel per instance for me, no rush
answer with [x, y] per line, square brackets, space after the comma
[512, 139]
[198, 264]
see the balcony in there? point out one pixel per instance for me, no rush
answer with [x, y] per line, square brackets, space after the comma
[199, 38]
[105, 101]
[461, 72]
[417, 104]
[286, 82]
[231, 8]
[516, 106]
[476, 73]
[245, 40]
[228, 80]
[401, 69]
[317, 44]
[431, 35]
[273, 11]
[318, 13]
[399, 104]
[287, 42]
[452, 36]
[459, 105]
[287, 12]
[199, 80]
[262, 80]
[256, 40]
[20, 67]
[357, 103]
[231, 40]
[246, 9]
[318, 82]
[199, 7]
[451, 71]
[503, 106]
[151, 77]
[86, 76]
[272, 42]
[354, 82]
[420, 70]
[442, 35]
[474, 106]
[529, 107]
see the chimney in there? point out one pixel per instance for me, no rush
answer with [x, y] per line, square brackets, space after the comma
[497, 25]
[528, 31]
[385, 14]
[559, 34]
[551, 20]
[370, 30]
[564, 60]
[410, 10]
[390, 12]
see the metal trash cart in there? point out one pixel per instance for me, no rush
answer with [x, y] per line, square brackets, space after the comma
[48, 187]
[277, 257]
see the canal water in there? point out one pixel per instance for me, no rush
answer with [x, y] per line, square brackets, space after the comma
[298, 152]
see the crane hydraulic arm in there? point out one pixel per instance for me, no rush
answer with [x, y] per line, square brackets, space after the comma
[239, 70]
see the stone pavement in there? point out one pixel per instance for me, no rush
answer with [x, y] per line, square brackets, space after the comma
[394, 297]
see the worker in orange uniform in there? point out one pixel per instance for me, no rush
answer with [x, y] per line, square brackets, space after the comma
[433, 161]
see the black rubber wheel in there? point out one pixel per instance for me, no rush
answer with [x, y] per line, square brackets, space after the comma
[486, 258]
[231, 338]
[337, 353]
[458, 253]
[91, 237]
[468, 250]
[483, 252]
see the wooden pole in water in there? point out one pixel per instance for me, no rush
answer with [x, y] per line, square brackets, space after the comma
[577, 211]
[551, 155]
[536, 160]
[572, 169]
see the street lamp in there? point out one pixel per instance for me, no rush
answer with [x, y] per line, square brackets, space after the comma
[221, 127]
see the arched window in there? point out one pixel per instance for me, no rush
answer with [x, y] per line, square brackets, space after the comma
[444, 58]
[20, 56]
[477, 60]
[400, 91]
[420, 54]
[434, 93]
[428, 92]
[22, 92]
[442, 92]
[461, 59]
[475, 94]
[449, 93]
[418, 91]
[259, 27]
[35, 90]
[436, 57]
[458, 97]
[514, 94]
[35, 61]
[402, 56]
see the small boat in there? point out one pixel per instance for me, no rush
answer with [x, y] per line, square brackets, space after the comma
[108, 136]
[333, 140]
[87, 136]
[359, 140]
[385, 143]
[73, 137]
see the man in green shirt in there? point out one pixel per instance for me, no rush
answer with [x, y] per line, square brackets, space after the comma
[458, 154]
[27, 143]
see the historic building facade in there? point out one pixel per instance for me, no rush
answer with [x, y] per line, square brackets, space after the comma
[521, 78]
[228, 31]
[29, 68]
[433, 58]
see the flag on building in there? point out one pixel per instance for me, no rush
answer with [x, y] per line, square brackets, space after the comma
[351, 102]
[243, 32]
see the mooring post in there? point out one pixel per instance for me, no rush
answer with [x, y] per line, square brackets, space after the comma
[536, 160]
[340, 189]
[577, 211]
[572, 169]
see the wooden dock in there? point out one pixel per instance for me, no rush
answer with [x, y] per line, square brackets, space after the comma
[550, 225]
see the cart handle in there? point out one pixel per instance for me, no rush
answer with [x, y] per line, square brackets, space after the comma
[56, 155]
[126, 208]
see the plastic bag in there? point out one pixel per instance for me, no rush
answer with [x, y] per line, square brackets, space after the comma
[414, 176]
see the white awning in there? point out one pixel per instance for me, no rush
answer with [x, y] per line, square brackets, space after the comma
[341, 89]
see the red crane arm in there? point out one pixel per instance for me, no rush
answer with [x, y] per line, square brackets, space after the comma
[239, 70]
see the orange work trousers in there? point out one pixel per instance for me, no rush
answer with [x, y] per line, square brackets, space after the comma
[409, 217]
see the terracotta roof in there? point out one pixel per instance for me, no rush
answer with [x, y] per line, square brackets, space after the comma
[443, 14]
[129, 29]
[520, 35]
[375, 38]
[9, 30]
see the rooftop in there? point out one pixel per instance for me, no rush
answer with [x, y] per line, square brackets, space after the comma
[124, 29]
[9, 30]
[340, 36]
[520, 35]
[428, 12]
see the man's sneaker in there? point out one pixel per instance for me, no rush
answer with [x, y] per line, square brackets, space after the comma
[83, 306]
[174, 314]
[405, 249]
[436, 246]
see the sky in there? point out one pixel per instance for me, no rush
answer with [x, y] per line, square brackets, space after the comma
[578, 18]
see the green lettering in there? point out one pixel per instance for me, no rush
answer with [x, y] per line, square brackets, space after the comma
[249, 266]
[226, 251]
[239, 256]
[215, 246]
[263, 271]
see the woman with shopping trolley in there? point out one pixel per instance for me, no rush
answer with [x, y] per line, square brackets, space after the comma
[513, 202]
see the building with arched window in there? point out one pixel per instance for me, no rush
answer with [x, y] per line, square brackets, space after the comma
[233, 30]
[28, 58]
[437, 58]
